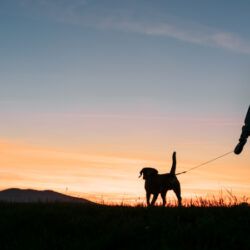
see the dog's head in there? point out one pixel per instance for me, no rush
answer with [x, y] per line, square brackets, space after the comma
[148, 172]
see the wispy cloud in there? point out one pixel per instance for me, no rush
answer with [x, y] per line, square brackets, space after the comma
[192, 33]
[91, 14]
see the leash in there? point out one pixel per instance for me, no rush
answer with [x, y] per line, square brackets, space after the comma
[205, 163]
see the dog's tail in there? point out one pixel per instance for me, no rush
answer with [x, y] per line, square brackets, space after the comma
[173, 168]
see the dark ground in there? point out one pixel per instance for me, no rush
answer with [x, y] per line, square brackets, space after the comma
[60, 226]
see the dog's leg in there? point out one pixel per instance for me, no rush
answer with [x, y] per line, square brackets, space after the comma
[154, 199]
[177, 191]
[148, 198]
[163, 196]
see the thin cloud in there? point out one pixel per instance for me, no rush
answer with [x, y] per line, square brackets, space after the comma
[222, 121]
[192, 33]
[90, 13]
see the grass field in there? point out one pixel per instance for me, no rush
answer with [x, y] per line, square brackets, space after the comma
[60, 226]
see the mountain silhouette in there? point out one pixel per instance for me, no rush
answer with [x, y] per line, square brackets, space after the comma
[30, 195]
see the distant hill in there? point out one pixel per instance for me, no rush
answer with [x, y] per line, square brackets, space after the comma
[30, 195]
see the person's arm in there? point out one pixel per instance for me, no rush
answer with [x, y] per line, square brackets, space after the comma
[244, 134]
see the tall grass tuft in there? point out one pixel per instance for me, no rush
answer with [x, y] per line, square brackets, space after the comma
[224, 199]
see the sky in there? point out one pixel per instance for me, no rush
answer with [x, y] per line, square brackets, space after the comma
[91, 91]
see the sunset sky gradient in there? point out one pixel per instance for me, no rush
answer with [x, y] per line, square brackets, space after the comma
[91, 91]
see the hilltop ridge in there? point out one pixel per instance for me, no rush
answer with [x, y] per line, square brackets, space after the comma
[31, 195]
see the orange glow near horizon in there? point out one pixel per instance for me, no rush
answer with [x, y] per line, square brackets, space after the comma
[93, 91]
[114, 178]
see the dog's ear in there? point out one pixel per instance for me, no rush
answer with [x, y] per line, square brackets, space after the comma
[141, 172]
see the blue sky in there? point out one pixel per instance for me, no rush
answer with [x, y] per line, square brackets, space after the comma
[174, 52]
[123, 58]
